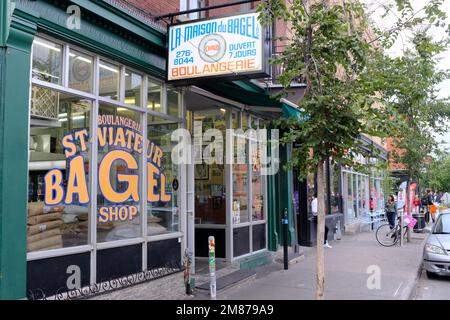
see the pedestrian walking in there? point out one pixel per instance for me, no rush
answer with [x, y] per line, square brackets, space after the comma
[431, 208]
[314, 212]
[391, 211]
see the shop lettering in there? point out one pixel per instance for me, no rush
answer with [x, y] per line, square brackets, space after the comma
[212, 68]
[246, 26]
[124, 144]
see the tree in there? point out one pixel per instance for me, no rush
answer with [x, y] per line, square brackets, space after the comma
[410, 83]
[330, 50]
[438, 174]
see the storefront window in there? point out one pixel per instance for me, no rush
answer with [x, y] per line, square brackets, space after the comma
[133, 87]
[234, 120]
[350, 199]
[210, 190]
[81, 69]
[119, 192]
[239, 208]
[162, 214]
[86, 186]
[381, 203]
[63, 225]
[334, 187]
[257, 183]
[109, 75]
[47, 61]
[173, 102]
[154, 96]
[245, 121]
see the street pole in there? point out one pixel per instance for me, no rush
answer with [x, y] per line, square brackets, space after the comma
[212, 267]
[408, 206]
[285, 238]
[401, 227]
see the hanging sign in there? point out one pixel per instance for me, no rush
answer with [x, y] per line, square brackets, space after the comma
[233, 46]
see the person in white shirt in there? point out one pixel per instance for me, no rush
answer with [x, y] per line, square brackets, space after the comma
[314, 212]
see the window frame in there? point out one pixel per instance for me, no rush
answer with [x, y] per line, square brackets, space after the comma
[92, 243]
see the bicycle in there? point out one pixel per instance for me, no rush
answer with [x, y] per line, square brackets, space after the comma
[387, 236]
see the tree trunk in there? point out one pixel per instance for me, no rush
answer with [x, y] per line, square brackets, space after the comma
[320, 263]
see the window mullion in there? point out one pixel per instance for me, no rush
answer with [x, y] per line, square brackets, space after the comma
[65, 66]
[122, 84]
[164, 99]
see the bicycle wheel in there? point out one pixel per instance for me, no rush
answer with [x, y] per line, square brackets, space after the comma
[386, 236]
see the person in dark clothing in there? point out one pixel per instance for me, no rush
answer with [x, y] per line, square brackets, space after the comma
[391, 211]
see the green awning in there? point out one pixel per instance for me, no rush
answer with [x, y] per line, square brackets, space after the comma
[250, 94]
[244, 92]
[291, 112]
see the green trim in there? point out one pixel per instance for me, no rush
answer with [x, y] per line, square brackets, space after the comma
[14, 78]
[291, 112]
[6, 7]
[247, 85]
[280, 193]
[100, 33]
[119, 17]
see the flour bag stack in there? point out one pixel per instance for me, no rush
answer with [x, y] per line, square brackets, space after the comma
[44, 227]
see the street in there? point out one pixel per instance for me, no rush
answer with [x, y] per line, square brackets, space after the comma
[437, 288]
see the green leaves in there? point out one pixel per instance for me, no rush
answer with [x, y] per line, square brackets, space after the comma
[352, 88]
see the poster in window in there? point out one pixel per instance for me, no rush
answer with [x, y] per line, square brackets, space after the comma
[202, 171]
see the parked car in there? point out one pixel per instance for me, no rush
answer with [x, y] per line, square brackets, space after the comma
[436, 253]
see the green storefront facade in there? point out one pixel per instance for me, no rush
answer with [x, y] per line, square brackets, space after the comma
[120, 43]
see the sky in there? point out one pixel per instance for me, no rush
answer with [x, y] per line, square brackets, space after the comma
[403, 42]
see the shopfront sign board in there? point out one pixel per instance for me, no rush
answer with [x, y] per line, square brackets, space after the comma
[228, 47]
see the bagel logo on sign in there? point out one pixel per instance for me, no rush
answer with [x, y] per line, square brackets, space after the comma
[229, 46]
[212, 48]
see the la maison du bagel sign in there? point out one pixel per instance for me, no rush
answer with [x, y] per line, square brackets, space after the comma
[230, 46]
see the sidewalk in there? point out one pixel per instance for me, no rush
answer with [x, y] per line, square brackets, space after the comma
[346, 272]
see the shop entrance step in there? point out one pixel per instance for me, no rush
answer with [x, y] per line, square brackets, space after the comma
[230, 279]
[255, 260]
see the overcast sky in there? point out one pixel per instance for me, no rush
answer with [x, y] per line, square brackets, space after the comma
[404, 41]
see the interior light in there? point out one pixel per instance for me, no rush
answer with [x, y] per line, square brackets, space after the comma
[73, 118]
[84, 59]
[108, 68]
[154, 106]
[48, 46]
[130, 101]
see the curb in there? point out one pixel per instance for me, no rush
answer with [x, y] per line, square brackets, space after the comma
[409, 290]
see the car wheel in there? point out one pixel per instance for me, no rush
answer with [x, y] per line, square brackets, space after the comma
[431, 275]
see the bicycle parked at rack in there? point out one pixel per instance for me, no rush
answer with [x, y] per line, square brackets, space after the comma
[387, 236]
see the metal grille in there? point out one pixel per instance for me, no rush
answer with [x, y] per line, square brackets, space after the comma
[44, 103]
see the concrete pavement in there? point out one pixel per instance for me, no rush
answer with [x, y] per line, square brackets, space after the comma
[357, 267]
